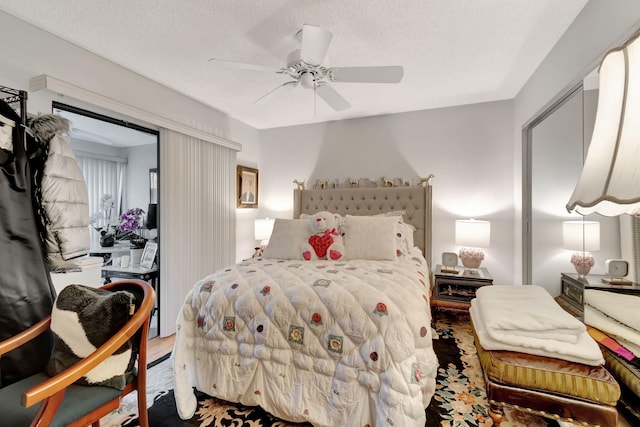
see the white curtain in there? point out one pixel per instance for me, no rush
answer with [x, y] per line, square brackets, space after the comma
[103, 177]
[197, 216]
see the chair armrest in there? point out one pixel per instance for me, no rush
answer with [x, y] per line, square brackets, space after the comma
[64, 379]
[25, 336]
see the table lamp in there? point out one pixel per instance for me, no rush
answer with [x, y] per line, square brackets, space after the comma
[472, 234]
[581, 237]
[262, 231]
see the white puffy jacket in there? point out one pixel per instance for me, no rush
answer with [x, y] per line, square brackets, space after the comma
[65, 200]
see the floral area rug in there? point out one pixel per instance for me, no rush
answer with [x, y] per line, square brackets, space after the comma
[459, 401]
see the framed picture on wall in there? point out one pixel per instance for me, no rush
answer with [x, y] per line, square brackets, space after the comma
[247, 185]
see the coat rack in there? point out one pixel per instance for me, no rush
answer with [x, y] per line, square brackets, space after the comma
[17, 99]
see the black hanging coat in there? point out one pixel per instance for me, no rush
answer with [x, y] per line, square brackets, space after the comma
[26, 291]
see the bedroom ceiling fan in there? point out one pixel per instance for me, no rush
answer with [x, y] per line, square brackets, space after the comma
[306, 69]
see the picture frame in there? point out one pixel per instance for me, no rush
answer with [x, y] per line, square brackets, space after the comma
[149, 255]
[247, 187]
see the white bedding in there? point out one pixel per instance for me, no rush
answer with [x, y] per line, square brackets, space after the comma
[527, 311]
[621, 307]
[522, 310]
[344, 343]
[628, 337]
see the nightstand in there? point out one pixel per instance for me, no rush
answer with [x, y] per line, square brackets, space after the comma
[455, 291]
[572, 290]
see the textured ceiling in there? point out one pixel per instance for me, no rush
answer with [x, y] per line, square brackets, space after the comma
[453, 51]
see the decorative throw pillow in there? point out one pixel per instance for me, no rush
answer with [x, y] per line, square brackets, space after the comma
[404, 233]
[370, 237]
[84, 318]
[286, 238]
[404, 237]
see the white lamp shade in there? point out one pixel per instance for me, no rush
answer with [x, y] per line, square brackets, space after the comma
[582, 236]
[473, 233]
[610, 180]
[263, 228]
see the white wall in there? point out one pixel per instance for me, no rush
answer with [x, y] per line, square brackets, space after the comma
[141, 159]
[469, 149]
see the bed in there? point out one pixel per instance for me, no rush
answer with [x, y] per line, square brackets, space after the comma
[334, 343]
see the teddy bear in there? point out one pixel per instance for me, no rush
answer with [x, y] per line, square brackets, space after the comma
[325, 242]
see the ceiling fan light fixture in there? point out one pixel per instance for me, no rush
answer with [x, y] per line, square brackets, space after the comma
[307, 80]
[308, 67]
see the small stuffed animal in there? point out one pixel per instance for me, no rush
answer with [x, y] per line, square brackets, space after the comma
[325, 242]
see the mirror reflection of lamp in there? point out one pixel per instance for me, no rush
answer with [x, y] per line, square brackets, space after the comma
[472, 234]
[610, 180]
[262, 230]
[581, 237]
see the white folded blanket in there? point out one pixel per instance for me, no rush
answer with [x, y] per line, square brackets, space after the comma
[527, 311]
[585, 351]
[633, 348]
[609, 326]
[621, 307]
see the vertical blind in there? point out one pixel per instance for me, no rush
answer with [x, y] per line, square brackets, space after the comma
[103, 177]
[197, 216]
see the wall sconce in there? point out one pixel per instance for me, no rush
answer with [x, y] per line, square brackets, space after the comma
[473, 235]
[262, 230]
[581, 237]
[610, 180]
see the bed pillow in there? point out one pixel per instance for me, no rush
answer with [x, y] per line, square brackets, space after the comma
[287, 238]
[370, 237]
[404, 237]
[404, 233]
[84, 318]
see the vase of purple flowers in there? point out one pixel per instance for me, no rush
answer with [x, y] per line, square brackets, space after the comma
[131, 223]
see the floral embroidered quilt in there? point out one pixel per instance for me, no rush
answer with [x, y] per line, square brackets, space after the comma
[344, 343]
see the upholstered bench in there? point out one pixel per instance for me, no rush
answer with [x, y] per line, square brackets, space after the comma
[628, 376]
[553, 388]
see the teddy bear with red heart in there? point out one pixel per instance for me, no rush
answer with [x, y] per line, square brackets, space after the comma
[325, 241]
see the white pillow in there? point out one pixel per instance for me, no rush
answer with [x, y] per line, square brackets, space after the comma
[287, 238]
[370, 237]
[404, 237]
[404, 233]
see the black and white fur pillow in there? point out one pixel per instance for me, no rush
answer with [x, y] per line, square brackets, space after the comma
[84, 318]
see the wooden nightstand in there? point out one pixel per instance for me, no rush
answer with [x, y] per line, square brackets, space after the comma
[456, 290]
[572, 290]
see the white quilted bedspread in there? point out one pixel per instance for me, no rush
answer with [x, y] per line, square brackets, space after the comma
[344, 343]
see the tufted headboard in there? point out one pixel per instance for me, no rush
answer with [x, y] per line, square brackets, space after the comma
[415, 201]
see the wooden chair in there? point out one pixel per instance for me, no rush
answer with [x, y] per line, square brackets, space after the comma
[64, 403]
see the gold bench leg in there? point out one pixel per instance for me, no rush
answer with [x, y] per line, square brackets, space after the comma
[496, 412]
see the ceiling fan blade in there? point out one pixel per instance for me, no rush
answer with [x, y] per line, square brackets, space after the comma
[383, 74]
[315, 42]
[276, 93]
[243, 65]
[331, 97]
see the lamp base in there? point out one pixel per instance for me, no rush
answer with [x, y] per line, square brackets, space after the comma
[582, 262]
[471, 257]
